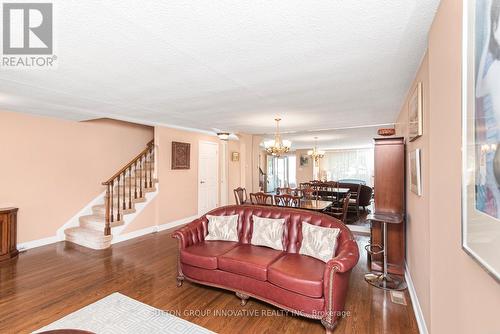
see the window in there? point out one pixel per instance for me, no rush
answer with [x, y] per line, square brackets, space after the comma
[355, 164]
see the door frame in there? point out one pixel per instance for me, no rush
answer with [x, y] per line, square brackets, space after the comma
[217, 177]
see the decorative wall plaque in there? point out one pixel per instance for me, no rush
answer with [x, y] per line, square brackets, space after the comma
[181, 155]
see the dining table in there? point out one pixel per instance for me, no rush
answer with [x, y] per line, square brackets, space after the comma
[314, 204]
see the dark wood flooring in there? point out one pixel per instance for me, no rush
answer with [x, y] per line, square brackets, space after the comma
[47, 283]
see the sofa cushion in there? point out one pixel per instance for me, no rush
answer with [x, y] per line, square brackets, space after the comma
[249, 260]
[222, 228]
[204, 254]
[319, 242]
[298, 273]
[268, 232]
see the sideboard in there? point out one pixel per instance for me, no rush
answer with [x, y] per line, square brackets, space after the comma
[8, 233]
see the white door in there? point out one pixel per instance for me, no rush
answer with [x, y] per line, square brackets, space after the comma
[208, 176]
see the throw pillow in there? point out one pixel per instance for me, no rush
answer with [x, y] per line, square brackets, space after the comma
[319, 242]
[268, 232]
[222, 228]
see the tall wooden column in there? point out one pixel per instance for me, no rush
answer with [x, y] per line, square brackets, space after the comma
[389, 198]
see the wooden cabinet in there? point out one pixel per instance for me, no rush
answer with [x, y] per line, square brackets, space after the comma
[389, 185]
[8, 233]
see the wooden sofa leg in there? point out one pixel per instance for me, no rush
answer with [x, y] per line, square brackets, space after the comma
[180, 280]
[329, 327]
[243, 297]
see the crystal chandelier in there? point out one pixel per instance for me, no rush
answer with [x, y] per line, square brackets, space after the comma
[277, 146]
[315, 153]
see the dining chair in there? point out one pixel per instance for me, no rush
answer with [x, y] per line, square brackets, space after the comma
[341, 213]
[261, 198]
[283, 191]
[309, 193]
[287, 200]
[240, 195]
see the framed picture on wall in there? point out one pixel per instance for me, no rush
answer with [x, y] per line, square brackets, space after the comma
[181, 155]
[415, 172]
[235, 156]
[304, 160]
[415, 124]
[481, 134]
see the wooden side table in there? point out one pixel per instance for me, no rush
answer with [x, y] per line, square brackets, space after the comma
[8, 234]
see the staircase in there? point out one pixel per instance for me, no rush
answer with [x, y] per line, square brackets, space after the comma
[123, 190]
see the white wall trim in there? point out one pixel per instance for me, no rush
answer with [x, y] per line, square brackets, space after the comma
[151, 229]
[37, 243]
[117, 238]
[422, 326]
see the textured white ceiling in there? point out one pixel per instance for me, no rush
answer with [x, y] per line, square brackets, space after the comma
[232, 65]
[337, 139]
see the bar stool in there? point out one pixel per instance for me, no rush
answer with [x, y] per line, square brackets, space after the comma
[384, 280]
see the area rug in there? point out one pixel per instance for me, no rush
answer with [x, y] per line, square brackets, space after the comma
[118, 313]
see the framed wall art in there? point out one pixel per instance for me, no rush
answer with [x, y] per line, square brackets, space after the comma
[181, 155]
[415, 172]
[415, 123]
[481, 134]
[235, 156]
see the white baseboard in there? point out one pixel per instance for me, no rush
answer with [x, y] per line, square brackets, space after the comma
[176, 223]
[118, 238]
[422, 326]
[151, 229]
[37, 243]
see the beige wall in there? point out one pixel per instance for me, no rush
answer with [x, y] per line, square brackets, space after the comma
[417, 207]
[52, 168]
[456, 294]
[178, 195]
[304, 174]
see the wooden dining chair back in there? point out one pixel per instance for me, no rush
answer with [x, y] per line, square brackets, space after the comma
[240, 195]
[287, 200]
[309, 193]
[283, 191]
[341, 213]
[304, 185]
[261, 198]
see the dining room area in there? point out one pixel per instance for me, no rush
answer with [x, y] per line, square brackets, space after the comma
[328, 171]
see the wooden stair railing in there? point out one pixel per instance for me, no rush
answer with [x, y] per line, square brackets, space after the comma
[136, 170]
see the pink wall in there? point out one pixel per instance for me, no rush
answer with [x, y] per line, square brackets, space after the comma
[455, 293]
[417, 207]
[52, 168]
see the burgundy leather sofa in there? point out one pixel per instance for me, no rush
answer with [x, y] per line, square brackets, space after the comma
[286, 279]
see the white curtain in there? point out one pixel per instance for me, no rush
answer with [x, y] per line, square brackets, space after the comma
[349, 164]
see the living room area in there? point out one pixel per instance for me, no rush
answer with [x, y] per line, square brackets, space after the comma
[249, 167]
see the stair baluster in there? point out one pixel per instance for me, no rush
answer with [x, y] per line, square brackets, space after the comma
[107, 226]
[151, 163]
[141, 169]
[130, 187]
[118, 217]
[120, 179]
[135, 180]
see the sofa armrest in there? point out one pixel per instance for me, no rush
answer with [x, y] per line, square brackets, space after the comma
[346, 259]
[191, 234]
[336, 281]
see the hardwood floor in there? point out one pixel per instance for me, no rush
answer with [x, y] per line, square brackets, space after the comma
[46, 283]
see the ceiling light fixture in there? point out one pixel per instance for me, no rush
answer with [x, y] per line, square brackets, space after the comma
[277, 146]
[223, 135]
[315, 153]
